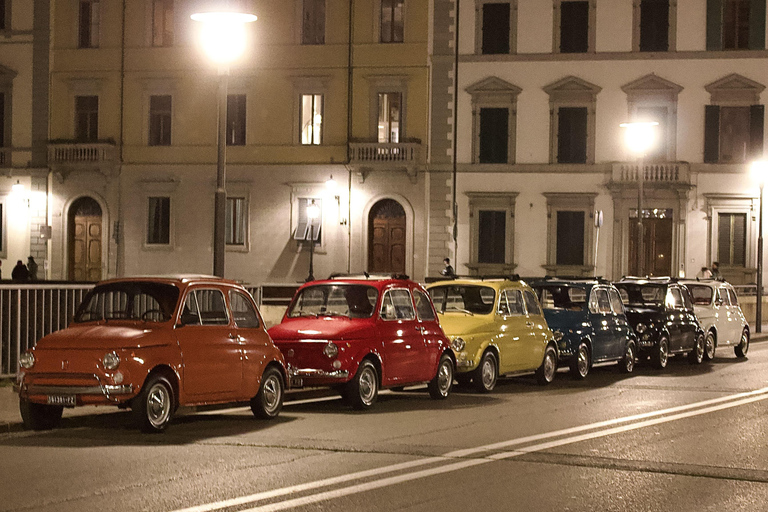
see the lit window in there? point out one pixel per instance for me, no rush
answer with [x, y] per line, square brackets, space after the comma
[311, 119]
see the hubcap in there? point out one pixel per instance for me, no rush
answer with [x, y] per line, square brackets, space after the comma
[710, 348]
[583, 362]
[699, 349]
[744, 345]
[367, 386]
[663, 352]
[488, 373]
[158, 405]
[272, 393]
[549, 366]
[445, 376]
[630, 359]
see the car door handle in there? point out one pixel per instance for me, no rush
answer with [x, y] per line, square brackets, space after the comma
[419, 328]
[235, 337]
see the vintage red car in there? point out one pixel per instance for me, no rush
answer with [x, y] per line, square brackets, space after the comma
[153, 344]
[363, 333]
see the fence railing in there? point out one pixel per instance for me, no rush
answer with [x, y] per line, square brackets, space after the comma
[30, 311]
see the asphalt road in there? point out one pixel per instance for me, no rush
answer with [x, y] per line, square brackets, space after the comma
[687, 438]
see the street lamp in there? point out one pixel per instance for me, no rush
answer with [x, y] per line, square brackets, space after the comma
[313, 212]
[760, 174]
[223, 39]
[639, 137]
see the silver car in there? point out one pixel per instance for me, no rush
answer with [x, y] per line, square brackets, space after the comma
[720, 315]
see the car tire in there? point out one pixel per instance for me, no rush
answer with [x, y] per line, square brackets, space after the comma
[581, 362]
[743, 347]
[545, 374]
[710, 345]
[627, 363]
[696, 356]
[269, 400]
[661, 356]
[39, 416]
[363, 390]
[440, 386]
[486, 374]
[154, 406]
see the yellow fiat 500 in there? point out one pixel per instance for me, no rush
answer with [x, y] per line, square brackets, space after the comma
[496, 327]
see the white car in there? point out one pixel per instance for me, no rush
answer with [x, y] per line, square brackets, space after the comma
[720, 315]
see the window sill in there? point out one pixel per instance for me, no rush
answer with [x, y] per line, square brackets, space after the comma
[480, 269]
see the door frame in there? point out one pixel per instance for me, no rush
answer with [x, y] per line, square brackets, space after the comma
[105, 233]
[406, 205]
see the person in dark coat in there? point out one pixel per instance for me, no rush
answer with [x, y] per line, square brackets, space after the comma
[448, 270]
[20, 272]
[32, 267]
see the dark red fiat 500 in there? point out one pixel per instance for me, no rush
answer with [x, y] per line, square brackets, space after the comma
[363, 333]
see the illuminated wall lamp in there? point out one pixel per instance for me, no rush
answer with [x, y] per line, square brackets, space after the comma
[330, 185]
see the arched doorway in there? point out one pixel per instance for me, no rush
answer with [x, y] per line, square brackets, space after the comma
[84, 240]
[386, 237]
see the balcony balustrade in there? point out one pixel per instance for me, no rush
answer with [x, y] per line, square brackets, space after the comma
[652, 173]
[65, 157]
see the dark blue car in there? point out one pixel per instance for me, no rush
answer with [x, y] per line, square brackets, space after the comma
[589, 323]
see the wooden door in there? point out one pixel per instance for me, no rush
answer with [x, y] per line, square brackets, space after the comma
[85, 241]
[657, 246]
[386, 244]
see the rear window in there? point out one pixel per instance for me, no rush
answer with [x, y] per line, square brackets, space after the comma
[702, 295]
[562, 297]
[130, 300]
[642, 294]
[477, 300]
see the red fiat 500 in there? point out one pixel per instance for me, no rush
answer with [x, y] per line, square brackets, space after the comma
[153, 344]
[360, 334]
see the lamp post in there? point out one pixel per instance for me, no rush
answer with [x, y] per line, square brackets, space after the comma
[639, 137]
[760, 173]
[223, 39]
[313, 212]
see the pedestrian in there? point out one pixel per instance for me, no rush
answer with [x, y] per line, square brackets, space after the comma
[716, 270]
[20, 272]
[448, 270]
[32, 267]
[704, 273]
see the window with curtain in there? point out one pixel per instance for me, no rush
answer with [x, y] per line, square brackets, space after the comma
[162, 22]
[88, 28]
[389, 117]
[160, 116]
[86, 118]
[236, 221]
[735, 24]
[159, 221]
[391, 21]
[236, 120]
[304, 224]
[731, 239]
[311, 119]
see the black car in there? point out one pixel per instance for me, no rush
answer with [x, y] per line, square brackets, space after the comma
[660, 310]
[588, 321]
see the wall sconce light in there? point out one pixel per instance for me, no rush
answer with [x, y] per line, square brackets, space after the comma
[18, 189]
[330, 185]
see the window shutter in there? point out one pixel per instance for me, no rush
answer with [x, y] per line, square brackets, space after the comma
[757, 25]
[495, 28]
[756, 120]
[711, 134]
[494, 135]
[714, 25]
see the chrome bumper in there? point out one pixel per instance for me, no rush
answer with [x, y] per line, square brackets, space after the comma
[109, 391]
[313, 373]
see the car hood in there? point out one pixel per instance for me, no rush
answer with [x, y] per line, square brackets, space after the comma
[323, 328]
[563, 320]
[107, 336]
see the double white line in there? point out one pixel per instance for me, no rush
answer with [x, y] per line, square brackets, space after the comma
[498, 451]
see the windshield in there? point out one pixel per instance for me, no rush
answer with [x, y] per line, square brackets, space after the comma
[642, 294]
[350, 300]
[566, 298]
[702, 295]
[151, 302]
[477, 300]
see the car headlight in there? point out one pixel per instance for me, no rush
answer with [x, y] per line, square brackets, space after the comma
[331, 350]
[558, 335]
[110, 361]
[458, 344]
[27, 360]
[641, 328]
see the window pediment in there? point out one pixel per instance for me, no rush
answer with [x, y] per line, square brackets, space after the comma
[493, 90]
[572, 88]
[735, 89]
[651, 84]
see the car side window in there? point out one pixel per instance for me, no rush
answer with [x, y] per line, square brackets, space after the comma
[213, 310]
[397, 305]
[687, 301]
[511, 303]
[618, 306]
[423, 307]
[722, 297]
[190, 314]
[243, 310]
[531, 304]
[674, 299]
[599, 303]
[734, 298]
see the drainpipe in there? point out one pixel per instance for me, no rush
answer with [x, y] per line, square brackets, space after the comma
[454, 205]
[118, 226]
[350, 33]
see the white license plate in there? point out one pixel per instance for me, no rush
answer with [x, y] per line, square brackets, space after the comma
[65, 400]
[297, 382]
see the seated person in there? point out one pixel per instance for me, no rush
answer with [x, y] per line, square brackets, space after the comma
[357, 302]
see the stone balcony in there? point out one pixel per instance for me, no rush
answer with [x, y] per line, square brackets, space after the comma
[375, 156]
[66, 157]
[653, 173]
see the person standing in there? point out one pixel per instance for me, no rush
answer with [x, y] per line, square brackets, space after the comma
[32, 268]
[716, 270]
[448, 270]
[20, 273]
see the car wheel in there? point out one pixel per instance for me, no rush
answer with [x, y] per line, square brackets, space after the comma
[363, 390]
[580, 362]
[696, 356]
[440, 386]
[39, 416]
[661, 356]
[486, 373]
[709, 346]
[269, 400]
[743, 347]
[546, 372]
[627, 363]
[154, 406]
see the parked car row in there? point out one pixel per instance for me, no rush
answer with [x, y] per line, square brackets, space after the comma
[154, 344]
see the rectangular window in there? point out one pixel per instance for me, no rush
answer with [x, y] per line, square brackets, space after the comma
[733, 134]
[86, 118]
[658, 152]
[654, 25]
[2, 15]
[494, 135]
[736, 24]
[572, 135]
[236, 120]
[313, 22]
[237, 216]
[311, 119]
[391, 21]
[495, 28]
[162, 23]
[159, 221]
[160, 120]
[307, 226]
[88, 33]
[492, 236]
[389, 117]
[570, 237]
[731, 239]
[574, 27]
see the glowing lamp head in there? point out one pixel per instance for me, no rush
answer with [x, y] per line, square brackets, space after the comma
[222, 34]
[759, 171]
[331, 184]
[313, 211]
[17, 188]
[640, 137]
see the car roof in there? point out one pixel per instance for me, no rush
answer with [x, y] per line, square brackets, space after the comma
[579, 281]
[496, 282]
[376, 280]
[172, 279]
[706, 282]
[663, 280]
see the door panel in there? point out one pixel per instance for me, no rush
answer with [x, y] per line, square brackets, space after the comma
[85, 240]
[386, 244]
[657, 246]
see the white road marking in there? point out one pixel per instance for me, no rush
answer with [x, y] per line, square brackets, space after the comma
[675, 413]
[233, 410]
